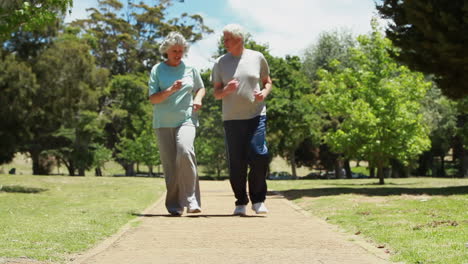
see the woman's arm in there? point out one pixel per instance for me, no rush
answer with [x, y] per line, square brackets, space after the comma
[163, 95]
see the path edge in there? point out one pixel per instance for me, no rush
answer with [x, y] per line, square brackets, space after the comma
[101, 246]
[356, 239]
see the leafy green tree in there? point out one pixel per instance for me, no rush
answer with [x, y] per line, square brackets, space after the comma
[101, 156]
[29, 15]
[142, 148]
[292, 117]
[65, 74]
[440, 116]
[18, 87]
[460, 143]
[432, 37]
[379, 103]
[126, 39]
[125, 106]
[332, 45]
[209, 143]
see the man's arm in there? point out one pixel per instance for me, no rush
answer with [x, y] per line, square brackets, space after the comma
[221, 91]
[267, 85]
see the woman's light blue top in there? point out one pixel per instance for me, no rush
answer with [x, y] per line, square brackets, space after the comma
[178, 107]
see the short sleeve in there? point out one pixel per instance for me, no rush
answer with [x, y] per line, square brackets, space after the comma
[215, 73]
[197, 80]
[153, 82]
[264, 68]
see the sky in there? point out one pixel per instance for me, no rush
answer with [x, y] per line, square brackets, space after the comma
[288, 27]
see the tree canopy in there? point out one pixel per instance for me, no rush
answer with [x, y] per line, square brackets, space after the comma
[30, 15]
[377, 102]
[432, 37]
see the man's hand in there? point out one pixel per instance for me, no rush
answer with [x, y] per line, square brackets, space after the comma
[231, 86]
[259, 96]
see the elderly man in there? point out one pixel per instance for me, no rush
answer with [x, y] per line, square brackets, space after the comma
[241, 79]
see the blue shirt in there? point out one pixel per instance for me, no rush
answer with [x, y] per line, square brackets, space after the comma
[177, 108]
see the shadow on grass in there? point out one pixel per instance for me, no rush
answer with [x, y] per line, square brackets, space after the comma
[319, 192]
[20, 189]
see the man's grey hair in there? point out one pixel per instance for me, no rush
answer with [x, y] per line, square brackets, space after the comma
[236, 30]
[173, 38]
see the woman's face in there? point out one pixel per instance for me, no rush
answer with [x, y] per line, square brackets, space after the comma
[231, 42]
[175, 54]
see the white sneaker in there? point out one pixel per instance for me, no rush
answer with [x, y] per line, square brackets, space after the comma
[259, 208]
[240, 210]
[193, 210]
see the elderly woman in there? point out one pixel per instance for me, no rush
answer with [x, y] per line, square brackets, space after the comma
[241, 79]
[176, 91]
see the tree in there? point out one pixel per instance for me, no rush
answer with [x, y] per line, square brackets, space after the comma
[127, 41]
[440, 116]
[18, 87]
[379, 103]
[293, 118]
[432, 37]
[209, 143]
[65, 74]
[142, 148]
[125, 107]
[330, 46]
[333, 45]
[101, 156]
[29, 15]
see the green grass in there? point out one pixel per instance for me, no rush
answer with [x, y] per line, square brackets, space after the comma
[48, 217]
[419, 220]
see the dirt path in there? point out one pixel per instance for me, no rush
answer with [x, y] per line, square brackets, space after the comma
[286, 235]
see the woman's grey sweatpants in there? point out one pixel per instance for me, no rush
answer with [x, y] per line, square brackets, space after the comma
[180, 166]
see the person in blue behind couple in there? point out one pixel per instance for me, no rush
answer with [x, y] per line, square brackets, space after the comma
[241, 80]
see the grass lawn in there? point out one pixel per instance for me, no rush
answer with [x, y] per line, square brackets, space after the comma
[48, 217]
[419, 220]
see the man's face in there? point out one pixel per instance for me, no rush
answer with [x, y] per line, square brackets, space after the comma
[231, 42]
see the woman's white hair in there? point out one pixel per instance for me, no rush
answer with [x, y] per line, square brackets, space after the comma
[173, 38]
[236, 30]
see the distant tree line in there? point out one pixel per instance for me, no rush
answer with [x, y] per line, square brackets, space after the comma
[76, 94]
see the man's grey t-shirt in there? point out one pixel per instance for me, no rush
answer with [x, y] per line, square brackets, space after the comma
[249, 69]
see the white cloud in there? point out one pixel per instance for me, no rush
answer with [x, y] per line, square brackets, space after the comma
[290, 26]
[201, 53]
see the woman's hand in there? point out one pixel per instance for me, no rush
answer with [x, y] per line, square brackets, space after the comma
[197, 104]
[176, 86]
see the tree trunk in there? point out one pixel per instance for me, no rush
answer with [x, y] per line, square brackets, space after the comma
[338, 168]
[347, 168]
[442, 166]
[293, 164]
[71, 169]
[424, 162]
[464, 166]
[39, 167]
[81, 172]
[129, 169]
[380, 174]
[372, 172]
[98, 171]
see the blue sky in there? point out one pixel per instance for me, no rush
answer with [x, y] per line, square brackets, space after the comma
[287, 26]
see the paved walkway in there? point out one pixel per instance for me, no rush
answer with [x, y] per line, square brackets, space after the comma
[286, 235]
